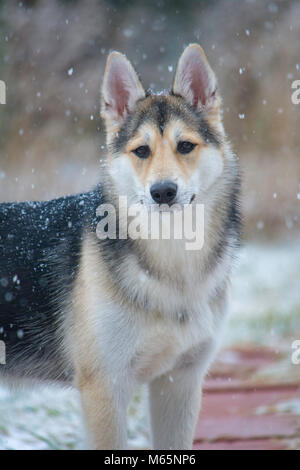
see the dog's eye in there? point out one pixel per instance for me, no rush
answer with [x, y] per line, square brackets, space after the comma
[185, 147]
[143, 151]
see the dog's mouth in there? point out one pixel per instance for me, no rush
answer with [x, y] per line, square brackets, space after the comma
[167, 205]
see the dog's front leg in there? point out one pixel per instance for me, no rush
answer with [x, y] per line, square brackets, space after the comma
[175, 399]
[104, 411]
[175, 404]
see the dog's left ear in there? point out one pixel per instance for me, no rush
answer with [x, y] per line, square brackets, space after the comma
[194, 79]
[120, 91]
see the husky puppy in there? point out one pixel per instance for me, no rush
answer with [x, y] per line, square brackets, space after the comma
[110, 314]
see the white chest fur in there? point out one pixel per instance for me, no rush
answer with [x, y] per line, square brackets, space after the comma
[181, 315]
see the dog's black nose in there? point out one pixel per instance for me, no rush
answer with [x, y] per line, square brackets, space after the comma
[163, 192]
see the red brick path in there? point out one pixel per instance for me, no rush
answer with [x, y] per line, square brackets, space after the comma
[245, 410]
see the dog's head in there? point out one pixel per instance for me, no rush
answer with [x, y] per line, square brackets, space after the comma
[163, 148]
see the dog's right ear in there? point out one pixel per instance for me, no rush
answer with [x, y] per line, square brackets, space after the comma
[120, 91]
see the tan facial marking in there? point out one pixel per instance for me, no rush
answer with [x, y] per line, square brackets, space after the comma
[165, 162]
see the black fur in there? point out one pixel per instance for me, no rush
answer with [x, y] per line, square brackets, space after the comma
[39, 256]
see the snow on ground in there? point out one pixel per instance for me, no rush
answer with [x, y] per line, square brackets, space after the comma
[265, 306]
[266, 293]
[50, 418]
